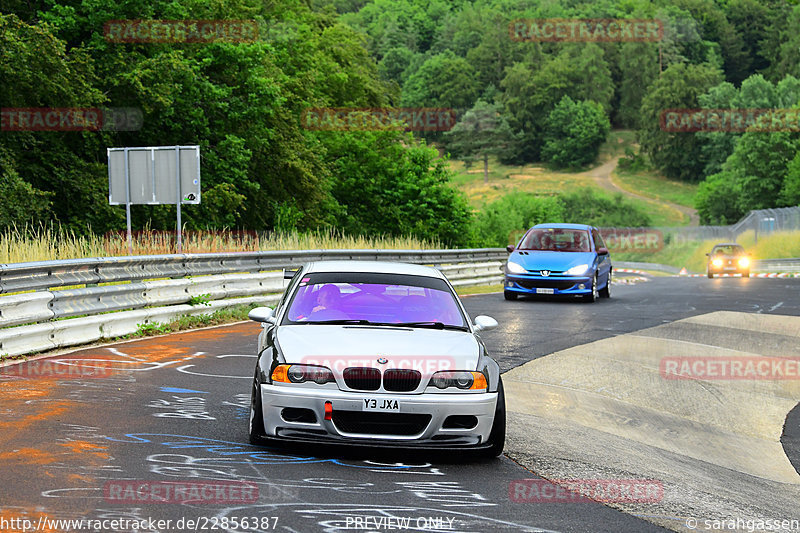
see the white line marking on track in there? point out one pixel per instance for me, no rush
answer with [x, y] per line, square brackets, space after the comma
[777, 305]
[184, 367]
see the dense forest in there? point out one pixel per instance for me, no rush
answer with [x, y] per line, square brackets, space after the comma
[242, 102]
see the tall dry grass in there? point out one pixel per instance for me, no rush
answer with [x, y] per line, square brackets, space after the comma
[52, 242]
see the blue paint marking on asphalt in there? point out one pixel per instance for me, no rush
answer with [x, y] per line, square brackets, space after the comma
[255, 455]
[176, 390]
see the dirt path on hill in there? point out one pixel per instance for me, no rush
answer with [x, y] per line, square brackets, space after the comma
[602, 176]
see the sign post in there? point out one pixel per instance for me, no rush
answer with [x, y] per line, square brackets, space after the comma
[154, 175]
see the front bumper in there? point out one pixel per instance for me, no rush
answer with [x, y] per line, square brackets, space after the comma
[728, 269]
[564, 285]
[275, 399]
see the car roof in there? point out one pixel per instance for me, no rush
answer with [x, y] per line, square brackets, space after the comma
[382, 267]
[563, 226]
[728, 244]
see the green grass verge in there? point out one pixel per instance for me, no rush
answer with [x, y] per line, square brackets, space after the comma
[658, 188]
[236, 313]
[479, 289]
[539, 180]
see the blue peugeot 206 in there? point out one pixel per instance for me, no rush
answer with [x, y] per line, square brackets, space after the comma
[559, 259]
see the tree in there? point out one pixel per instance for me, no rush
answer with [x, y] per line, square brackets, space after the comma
[574, 132]
[750, 19]
[638, 65]
[790, 193]
[503, 221]
[677, 155]
[760, 174]
[717, 198]
[589, 206]
[444, 80]
[782, 42]
[530, 93]
[384, 186]
[481, 132]
[22, 204]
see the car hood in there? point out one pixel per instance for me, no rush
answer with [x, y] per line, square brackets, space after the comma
[558, 261]
[339, 347]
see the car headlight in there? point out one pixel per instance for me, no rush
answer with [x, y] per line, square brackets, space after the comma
[460, 380]
[717, 262]
[744, 262]
[515, 268]
[578, 270]
[302, 373]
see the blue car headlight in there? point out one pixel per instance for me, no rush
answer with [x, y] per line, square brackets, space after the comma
[577, 270]
[515, 268]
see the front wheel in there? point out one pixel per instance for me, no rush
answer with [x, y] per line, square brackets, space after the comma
[592, 296]
[509, 295]
[497, 437]
[710, 275]
[256, 426]
[605, 292]
[746, 274]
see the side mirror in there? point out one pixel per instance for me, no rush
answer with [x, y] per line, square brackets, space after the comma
[708, 254]
[510, 248]
[602, 250]
[484, 323]
[289, 274]
[262, 314]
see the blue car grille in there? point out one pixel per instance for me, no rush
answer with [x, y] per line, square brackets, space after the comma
[546, 283]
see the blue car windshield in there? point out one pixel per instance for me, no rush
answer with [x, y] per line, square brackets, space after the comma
[320, 300]
[556, 240]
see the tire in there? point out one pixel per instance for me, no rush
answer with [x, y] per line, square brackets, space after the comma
[746, 274]
[510, 295]
[497, 437]
[605, 292]
[592, 296]
[710, 275]
[256, 425]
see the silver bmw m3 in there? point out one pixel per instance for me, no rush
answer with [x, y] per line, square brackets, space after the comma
[378, 354]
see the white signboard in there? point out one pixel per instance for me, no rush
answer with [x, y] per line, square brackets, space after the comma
[153, 175]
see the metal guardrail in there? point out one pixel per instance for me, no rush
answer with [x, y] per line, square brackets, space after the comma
[776, 265]
[646, 266]
[20, 277]
[43, 320]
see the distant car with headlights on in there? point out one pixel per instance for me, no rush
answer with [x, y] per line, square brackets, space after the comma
[728, 258]
[559, 259]
[377, 354]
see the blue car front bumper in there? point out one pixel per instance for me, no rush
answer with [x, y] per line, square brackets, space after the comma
[559, 285]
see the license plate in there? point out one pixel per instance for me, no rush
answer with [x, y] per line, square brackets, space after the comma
[545, 291]
[380, 404]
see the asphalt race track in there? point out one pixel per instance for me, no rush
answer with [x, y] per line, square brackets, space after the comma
[174, 409]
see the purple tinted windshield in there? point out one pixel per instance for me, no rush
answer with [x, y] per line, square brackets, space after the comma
[374, 302]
